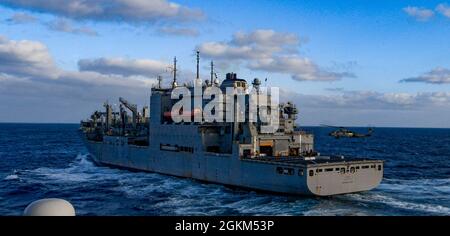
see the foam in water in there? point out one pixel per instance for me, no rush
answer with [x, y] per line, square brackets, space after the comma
[82, 170]
[11, 177]
[374, 198]
[152, 192]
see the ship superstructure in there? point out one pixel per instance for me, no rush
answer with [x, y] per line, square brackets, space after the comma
[238, 153]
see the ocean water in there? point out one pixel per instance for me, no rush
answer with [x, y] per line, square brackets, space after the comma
[42, 161]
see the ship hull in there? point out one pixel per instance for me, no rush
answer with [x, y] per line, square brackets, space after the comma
[232, 170]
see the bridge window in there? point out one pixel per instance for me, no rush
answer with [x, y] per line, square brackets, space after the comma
[365, 167]
[328, 169]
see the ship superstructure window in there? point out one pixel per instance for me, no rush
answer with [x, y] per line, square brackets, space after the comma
[311, 173]
[379, 167]
[288, 171]
[365, 167]
[285, 171]
[300, 172]
[328, 169]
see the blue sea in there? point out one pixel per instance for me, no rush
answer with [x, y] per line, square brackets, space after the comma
[49, 160]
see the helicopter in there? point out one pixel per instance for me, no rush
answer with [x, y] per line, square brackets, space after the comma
[346, 133]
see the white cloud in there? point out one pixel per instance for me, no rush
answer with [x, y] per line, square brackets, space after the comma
[266, 38]
[64, 25]
[111, 10]
[176, 31]
[125, 67]
[72, 97]
[438, 75]
[402, 99]
[260, 43]
[302, 69]
[31, 84]
[363, 108]
[22, 18]
[444, 9]
[32, 60]
[219, 50]
[419, 13]
[30, 63]
[370, 100]
[26, 58]
[271, 51]
[58, 24]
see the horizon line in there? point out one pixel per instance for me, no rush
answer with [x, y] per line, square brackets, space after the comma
[347, 126]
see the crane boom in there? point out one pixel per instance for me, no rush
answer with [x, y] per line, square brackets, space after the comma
[132, 108]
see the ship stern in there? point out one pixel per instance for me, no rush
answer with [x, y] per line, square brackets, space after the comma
[340, 178]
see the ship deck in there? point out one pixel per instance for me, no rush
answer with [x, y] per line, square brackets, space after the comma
[321, 161]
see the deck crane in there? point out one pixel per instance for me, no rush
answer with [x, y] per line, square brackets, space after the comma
[132, 108]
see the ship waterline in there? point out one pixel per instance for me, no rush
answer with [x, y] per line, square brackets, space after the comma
[320, 177]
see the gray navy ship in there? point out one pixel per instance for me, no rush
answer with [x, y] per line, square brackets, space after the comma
[229, 153]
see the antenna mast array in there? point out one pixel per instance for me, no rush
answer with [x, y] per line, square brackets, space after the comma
[198, 65]
[212, 72]
[174, 84]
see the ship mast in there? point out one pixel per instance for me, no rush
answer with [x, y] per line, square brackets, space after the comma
[159, 81]
[198, 65]
[212, 72]
[174, 83]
